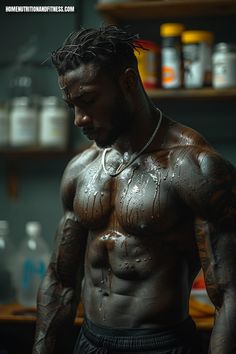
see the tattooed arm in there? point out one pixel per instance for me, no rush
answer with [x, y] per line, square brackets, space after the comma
[217, 249]
[210, 190]
[59, 292]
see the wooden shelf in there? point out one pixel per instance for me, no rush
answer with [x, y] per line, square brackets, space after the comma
[16, 313]
[143, 10]
[14, 157]
[193, 94]
[16, 154]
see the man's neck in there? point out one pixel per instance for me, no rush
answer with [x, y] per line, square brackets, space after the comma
[145, 123]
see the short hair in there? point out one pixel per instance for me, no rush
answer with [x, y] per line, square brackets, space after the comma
[109, 46]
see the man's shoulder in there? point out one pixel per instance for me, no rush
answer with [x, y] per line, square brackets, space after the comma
[81, 160]
[78, 163]
[185, 143]
[72, 172]
[190, 150]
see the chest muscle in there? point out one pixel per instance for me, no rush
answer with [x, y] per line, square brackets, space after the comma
[138, 199]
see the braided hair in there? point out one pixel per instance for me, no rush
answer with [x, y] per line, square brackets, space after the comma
[109, 46]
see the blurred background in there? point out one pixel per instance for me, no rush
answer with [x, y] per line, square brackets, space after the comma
[37, 138]
[30, 180]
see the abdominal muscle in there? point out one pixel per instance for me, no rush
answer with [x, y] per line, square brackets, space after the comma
[134, 281]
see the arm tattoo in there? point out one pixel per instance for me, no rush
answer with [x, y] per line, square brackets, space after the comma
[59, 293]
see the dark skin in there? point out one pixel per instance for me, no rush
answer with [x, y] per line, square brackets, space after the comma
[129, 247]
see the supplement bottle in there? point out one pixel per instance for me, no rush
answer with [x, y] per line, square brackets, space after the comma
[23, 123]
[171, 55]
[4, 125]
[149, 64]
[224, 65]
[53, 124]
[197, 52]
[33, 258]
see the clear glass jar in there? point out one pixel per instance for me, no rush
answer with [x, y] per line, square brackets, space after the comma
[224, 65]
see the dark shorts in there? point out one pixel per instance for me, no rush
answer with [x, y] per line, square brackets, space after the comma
[179, 339]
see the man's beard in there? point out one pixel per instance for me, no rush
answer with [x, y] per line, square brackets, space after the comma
[121, 123]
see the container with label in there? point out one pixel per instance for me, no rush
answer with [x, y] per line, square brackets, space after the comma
[197, 51]
[53, 123]
[4, 125]
[149, 63]
[23, 122]
[171, 54]
[224, 65]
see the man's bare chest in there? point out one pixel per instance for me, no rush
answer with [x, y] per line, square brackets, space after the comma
[140, 200]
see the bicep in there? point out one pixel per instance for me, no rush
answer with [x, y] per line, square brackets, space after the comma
[217, 250]
[208, 188]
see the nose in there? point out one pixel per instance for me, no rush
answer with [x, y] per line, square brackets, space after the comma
[81, 119]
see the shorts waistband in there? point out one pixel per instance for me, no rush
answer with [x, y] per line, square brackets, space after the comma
[179, 334]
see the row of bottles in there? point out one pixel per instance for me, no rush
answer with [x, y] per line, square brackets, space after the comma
[186, 58]
[22, 271]
[31, 122]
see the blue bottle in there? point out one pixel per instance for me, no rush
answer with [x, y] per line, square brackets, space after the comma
[33, 259]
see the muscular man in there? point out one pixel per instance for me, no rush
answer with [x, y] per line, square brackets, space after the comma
[145, 207]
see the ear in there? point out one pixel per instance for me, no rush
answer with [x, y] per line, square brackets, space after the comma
[129, 80]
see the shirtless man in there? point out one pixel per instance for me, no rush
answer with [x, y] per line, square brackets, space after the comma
[145, 207]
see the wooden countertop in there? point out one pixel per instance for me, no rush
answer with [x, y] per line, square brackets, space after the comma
[18, 314]
[202, 314]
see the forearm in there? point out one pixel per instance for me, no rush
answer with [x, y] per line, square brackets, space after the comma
[223, 338]
[56, 312]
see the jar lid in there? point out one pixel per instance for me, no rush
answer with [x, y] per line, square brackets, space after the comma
[50, 101]
[197, 36]
[225, 47]
[171, 29]
[21, 101]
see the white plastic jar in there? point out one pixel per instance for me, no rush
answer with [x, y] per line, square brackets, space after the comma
[53, 123]
[4, 125]
[224, 65]
[197, 53]
[23, 122]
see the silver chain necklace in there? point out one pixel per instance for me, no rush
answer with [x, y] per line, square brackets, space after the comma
[119, 169]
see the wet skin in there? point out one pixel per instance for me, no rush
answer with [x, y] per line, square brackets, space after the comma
[139, 264]
[130, 246]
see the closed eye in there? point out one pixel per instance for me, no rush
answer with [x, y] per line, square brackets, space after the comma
[86, 98]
